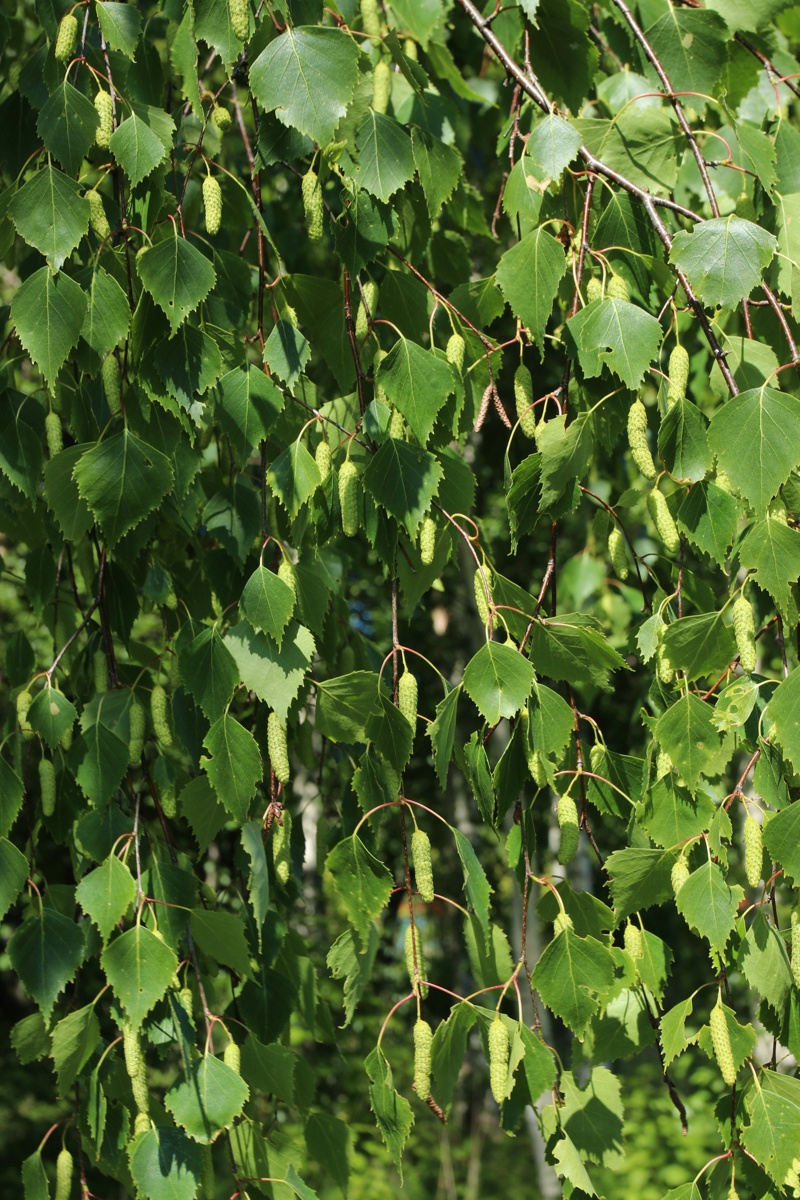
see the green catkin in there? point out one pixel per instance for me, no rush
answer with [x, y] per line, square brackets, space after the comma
[322, 457]
[104, 107]
[135, 1066]
[348, 498]
[410, 49]
[212, 204]
[617, 288]
[100, 671]
[407, 695]
[408, 950]
[744, 629]
[523, 397]
[14, 72]
[662, 519]
[221, 118]
[664, 668]
[721, 1041]
[498, 1058]
[286, 573]
[753, 851]
[397, 426]
[563, 921]
[381, 86]
[537, 765]
[240, 18]
[594, 290]
[66, 37]
[482, 583]
[277, 748]
[169, 803]
[427, 540]
[567, 816]
[633, 941]
[370, 19]
[112, 384]
[232, 1057]
[455, 351]
[207, 1179]
[597, 757]
[24, 701]
[423, 864]
[423, 1040]
[678, 370]
[366, 309]
[66, 740]
[732, 1193]
[679, 874]
[53, 434]
[312, 204]
[663, 764]
[637, 440]
[187, 1002]
[141, 1124]
[158, 714]
[281, 847]
[47, 786]
[64, 1171]
[616, 553]
[777, 512]
[795, 950]
[97, 214]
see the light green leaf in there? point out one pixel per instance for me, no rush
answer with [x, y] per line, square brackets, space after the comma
[213, 25]
[782, 840]
[176, 275]
[755, 438]
[294, 477]
[34, 1178]
[551, 146]
[639, 878]
[392, 1111]
[51, 214]
[529, 274]
[208, 1100]
[700, 645]
[74, 1042]
[138, 150]
[772, 550]
[307, 75]
[709, 517]
[122, 479]
[673, 1030]
[686, 731]
[592, 1116]
[565, 455]
[403, 479]
[723, 258]
[616, 334]
[417, 383]
[121, 26]
[499, 679]
[48, 311]
[51, 715]
[566, 649]
[570, 976]
[106, 894]
[682, 442]
[139, 967]
[46, 951]
[362, 881]
[268, 603]
[235, 766]
[385, 157]
[346, 961]
[670, 815]
[67, 124]
[166, 1163]
[773, 1133]
[209, 672]
[108, 316]
[709, 905]
[691, 45]
[274, 673]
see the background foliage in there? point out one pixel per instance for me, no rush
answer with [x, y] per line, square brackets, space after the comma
[349, 345]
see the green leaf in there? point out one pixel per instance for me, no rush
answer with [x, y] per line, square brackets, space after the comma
[565, 454]
[709, 518]
[476, 885]
[673, 1030]
[165, 1163]
[616, 334]
[207, 1101]
[362, 882]
[294, 477]
[691, 45]
[248, 405]
[74, 1042]
[392, 1111]
[122, 479]
[562, 55]
[773, 1105]
[699, 645]
[570, 976]
[328, 1143]
[108, 316]
[30, 1038]
[723, 258]
[233, 517]
[221, 936]
[67, 124]
[121, 26]
[529, 274]
[765, 962]
[103, 757]
[274, 673]
[682, 442]
[640, 143]
[563, 650]
[709, 905]
[267, 602]
[20, 443]
[46, 951]
[671, 815]
[442, 733]
[686, 731]
[639, 878]
[439, 167]
[34, 1178]
[403, 479]
[592, 1116]
[552, 145]
[51, 715]
[138, 150]
[287, 352]
[270, 1068]
[417, 383]
[781, 838]
[209, 672]
[345, 961]
[106, 894]
[307, 75]
[51, 214]
[235, 766]
[754, 436]
[499, 679]
[202, 810]
[48, 311]
[188, 364]
[385, 156]
[213, 25]
[344, 705]
[177, 276]
[13, 873]
[772, 550]
[139, 967]
[258, 882]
